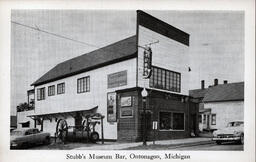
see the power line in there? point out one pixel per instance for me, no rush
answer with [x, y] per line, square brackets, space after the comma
[63, 37]
[56, 35]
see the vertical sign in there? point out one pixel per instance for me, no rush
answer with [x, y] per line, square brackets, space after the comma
[111, 107]
[147, 62]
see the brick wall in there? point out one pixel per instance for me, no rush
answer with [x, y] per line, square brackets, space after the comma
[131, 129]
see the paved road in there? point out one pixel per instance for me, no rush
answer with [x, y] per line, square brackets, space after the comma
[211, 147]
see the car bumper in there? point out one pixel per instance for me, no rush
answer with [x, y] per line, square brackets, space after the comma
[226, 139]
[14, 145]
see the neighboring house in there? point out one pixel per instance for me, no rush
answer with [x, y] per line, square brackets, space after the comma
[13, 122]
[220, 104]
[109, 81]
[22, 116]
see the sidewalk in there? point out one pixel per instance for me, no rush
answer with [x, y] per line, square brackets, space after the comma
[173, 142]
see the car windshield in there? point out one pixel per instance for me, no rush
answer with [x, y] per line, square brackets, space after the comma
[235, 124]
[17, 133]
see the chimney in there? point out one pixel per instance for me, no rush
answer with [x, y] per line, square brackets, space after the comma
[215, 82]
[202, 84]
[225, 82]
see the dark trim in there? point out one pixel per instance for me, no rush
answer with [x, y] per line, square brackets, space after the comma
[88, 76]
[42, 88]
[174, 78]
[87, 69]
[162, 27]
[49, 91]
[137, 46]
[224, 100]
[31, 91]
[64, 88]
[129, 89]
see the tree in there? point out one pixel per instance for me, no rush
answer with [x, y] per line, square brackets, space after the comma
[24, 107]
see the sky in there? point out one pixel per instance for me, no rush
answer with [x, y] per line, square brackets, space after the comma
[216, 42]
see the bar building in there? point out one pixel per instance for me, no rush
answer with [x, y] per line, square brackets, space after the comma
[110, 80]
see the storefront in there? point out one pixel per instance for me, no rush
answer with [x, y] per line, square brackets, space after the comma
[174, 115]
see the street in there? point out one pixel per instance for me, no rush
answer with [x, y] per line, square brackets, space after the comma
[211, 147]
[206, 146]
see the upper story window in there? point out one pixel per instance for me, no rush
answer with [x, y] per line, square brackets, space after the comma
[83, 84]
[165, 79]
[61, 88]
[41, 93]
[51, 90]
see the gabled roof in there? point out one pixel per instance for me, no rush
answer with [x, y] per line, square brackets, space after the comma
[116, 52]
[225, 92]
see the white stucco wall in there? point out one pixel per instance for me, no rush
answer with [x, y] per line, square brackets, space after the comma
[225, 112]
[168, 54]
[72, 101]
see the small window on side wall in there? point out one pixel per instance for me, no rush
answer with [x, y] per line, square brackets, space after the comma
[51, 90]
[61, 88]
[213, 119]
[40, 93]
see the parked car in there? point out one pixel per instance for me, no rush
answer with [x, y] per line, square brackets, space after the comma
[28, 136]
[233, 132]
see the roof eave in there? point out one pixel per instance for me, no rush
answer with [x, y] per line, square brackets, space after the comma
[134, 55]
[223, 100]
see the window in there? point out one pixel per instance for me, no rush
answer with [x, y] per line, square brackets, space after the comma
[51, 90]
[171, 121]
[83, 84]
[204, 120]
[40, 94]
[61, 88]
[213, 119]
[165, 79]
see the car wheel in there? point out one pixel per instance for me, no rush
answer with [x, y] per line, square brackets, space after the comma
[94, 137]
[47, 140]
[218, 142]
[242, 139]
[24, 145]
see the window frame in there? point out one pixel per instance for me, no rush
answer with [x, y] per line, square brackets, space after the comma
[171, 120]
[63, 88]
[165, 79]
[83, 84]
[39, 94]
[49, 90]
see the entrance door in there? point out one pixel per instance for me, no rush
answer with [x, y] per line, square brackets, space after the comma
[208, 122]
[148, 126]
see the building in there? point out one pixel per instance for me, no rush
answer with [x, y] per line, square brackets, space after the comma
[220, 104]
[28, 109]
[13, 122]
[110, 80]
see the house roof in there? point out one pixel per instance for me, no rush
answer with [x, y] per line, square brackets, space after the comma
[116, 52]
[197, 93]
[225, 92]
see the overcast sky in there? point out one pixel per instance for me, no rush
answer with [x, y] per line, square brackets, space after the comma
[216, 42]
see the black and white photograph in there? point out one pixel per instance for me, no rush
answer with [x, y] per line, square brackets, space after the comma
[125, 79]
[141, 84]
